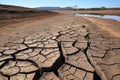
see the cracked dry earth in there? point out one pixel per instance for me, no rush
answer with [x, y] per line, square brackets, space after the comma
[69, 49]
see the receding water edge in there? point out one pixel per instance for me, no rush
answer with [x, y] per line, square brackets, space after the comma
[114, 17]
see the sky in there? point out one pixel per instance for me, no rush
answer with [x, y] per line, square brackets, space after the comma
[63, 3]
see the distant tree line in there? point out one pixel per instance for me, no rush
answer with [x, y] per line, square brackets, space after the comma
[102, 8]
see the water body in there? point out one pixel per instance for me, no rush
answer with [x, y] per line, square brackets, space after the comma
[115, 17]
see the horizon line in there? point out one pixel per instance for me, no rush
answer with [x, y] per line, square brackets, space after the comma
[55, 6]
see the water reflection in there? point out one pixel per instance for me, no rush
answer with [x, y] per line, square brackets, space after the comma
[115, 17]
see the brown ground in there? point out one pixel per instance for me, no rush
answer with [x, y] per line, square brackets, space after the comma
[99, 12]
[111, 26]
[16, 14]
[62, 47]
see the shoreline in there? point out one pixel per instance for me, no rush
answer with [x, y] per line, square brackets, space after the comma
[102, 23]
[100, 12]
[110, 25]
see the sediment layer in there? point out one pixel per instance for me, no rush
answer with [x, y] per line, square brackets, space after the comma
[72, 49]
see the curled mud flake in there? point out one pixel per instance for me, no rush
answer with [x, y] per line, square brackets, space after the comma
[4, 57]
[28, 42]
[78, 73]
[33, 45]
[22, 56]
[49, 76]
[48, 51]
[16, 46]
[35, 52]
[3, 77]
[51, 58]
[9, 52]
[54, 37]
[30, 76]
[80, 61]
[1, 63]
[2, 49]
[18, 77]
[50, 43]
[116, 77]
[18, 41]
[26, 51]
[64, 68]
[39, 59]
[36, 44]
[28, 69]
[67, 44]
[81, 45]
[23, 63]
[10, 69]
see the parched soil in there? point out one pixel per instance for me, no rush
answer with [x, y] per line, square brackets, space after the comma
[97, 12]
[16, 14]
[64, 47]
[112, 26]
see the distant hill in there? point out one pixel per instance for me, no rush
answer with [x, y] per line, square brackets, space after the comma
[14, 8]
[54, 8]
[14, 12]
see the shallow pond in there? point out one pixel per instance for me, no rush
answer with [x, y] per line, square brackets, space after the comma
[115, 17]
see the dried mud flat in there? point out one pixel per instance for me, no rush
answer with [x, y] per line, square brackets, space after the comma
[61, 48]
[97, 12]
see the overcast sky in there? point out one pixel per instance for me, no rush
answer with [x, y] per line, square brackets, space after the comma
[63, 3]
